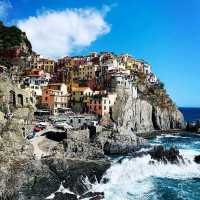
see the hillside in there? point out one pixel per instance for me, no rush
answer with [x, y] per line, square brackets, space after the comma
[13, 45]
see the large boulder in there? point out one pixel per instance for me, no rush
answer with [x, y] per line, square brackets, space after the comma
[160, 154]
[93, 196]
[46, 178]
[65, 196]
[193, 126]
[197, 159]
[118, 143]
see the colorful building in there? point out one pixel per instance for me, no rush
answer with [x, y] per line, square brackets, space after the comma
[101, 104]
[80, 93]
[55, 97]
[88, 72]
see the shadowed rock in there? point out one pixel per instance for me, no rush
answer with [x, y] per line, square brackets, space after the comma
[93, 195]
[197, 159]
[171, 155]
[66, 196]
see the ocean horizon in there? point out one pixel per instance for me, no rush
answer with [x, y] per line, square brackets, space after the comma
[190, 114]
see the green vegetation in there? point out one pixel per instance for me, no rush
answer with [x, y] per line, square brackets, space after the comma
[157, 96]
[11, 37]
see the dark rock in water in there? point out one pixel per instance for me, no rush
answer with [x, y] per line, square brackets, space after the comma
[197, 159]
[193, 126]
[161, 154]
[151, 162]
[104, 180]
[121, 160]
[45, 178]
[93, 195]
[73, 172]
[66, 196]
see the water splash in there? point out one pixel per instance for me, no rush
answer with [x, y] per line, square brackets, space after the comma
[136, 179]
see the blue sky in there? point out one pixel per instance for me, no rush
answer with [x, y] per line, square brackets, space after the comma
[165, 33]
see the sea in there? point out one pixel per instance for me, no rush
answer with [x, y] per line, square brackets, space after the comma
[136, 179]
[190, 114]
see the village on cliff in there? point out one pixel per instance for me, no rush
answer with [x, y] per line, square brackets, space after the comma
[82, 84]
[74, 92]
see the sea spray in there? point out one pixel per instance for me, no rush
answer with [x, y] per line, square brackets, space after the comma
[136, 178]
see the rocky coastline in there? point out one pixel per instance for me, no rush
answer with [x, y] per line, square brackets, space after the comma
[44, 168]
[79, 160]
[83, 162]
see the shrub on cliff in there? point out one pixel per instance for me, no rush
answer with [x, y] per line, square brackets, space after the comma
[11, 37]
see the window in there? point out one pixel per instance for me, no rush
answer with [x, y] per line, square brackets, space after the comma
[104, 107]
[79, 121]
[99, 107]
[105, 101]
[71, 121]
[46, 98]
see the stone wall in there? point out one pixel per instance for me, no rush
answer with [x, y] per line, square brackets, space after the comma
[11, 95]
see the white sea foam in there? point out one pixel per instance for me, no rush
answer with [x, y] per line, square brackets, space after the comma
[132, 179]
[61, 189]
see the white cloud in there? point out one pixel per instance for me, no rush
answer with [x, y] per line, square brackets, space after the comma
[5, 5]
[58, 33]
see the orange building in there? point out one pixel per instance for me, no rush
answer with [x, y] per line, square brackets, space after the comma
[101, 104]
[56, 97]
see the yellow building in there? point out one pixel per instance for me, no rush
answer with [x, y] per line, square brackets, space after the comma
[87, 72]
[47, 65]
[79, 93]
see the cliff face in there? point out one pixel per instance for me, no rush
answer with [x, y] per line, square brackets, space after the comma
[14, 46]
[12, 37]
[140, 116]
[165, 119]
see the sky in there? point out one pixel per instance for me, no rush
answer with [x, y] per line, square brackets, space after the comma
[165, 33]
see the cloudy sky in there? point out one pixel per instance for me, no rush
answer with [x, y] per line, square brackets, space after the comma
[165, 33]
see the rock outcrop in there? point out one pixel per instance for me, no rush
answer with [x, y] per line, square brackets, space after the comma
[23, 177]
[160, 154]
[141, 116]
[14, 44]
[45, 177]
[197, 159]
[167, 118]
[193, 126]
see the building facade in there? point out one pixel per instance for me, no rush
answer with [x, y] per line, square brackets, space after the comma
[56, 97]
